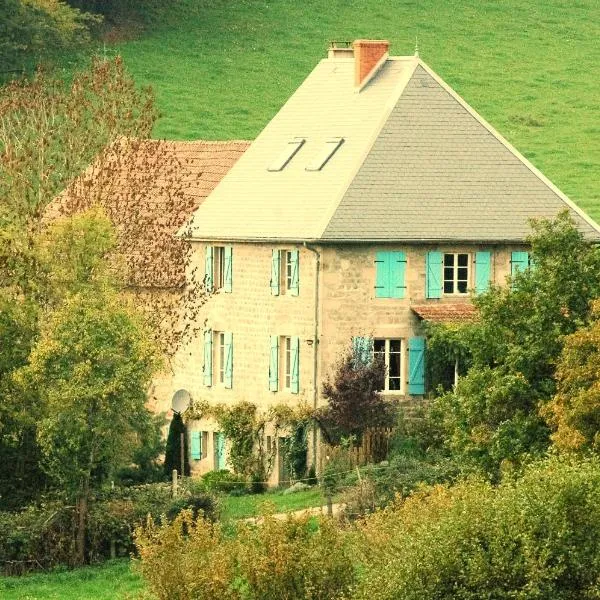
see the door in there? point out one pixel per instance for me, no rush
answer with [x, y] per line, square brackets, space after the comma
[282, 462]
[219, 443]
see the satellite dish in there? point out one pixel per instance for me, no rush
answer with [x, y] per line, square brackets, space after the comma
[181, 400]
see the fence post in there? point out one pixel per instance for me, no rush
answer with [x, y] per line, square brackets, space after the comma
[174, 483]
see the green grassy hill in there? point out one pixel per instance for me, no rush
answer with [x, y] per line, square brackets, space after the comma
[222, 68]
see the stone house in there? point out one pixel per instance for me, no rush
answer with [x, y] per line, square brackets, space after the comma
[375, 198]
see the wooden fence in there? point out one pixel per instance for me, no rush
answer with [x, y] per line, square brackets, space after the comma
[374, 447]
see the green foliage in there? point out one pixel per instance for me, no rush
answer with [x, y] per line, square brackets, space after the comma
[177, 429]
[225, 482]
[534, 537]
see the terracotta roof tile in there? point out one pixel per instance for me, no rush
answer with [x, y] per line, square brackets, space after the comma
[446, 313]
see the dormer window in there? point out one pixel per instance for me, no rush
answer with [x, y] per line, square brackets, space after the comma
[331, 147]
[291, 149]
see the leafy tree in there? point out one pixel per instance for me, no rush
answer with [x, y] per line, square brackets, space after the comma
[493, 414]
[91, 368]
[177, 429]
[574, 411]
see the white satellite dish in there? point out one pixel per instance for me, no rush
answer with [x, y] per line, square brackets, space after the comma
[181, 400]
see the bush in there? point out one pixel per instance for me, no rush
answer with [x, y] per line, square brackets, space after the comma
[534, 537]
[293, 558]
[225, 482]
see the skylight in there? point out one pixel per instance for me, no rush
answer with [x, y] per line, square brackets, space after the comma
[291, 148]
[331, 146]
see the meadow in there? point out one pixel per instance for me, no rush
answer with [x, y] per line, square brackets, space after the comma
[221, 68]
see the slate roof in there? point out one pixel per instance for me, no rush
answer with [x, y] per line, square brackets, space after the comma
[148, 189]
[417, 164]
[446, 313]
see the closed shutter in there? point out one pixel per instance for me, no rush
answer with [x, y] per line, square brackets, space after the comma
[295, 283]
[275, 266]
[208, 270]
[196, 446]
[397, 276]
[208, 353]
[228, 359]
[433, 275]
[382, 275]
[416, 366]
[483, 271]
[295, 365]
[228, 283]
[274, 364]
[363, 350]
[519, 262]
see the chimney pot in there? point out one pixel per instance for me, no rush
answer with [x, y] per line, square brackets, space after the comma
[367, 54]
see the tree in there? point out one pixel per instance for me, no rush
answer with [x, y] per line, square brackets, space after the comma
[574, 411]
[493, 414]
[91, 368]
[354, 403]
[177, 431]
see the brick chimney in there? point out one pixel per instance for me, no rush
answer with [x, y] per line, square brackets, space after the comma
[368, 54]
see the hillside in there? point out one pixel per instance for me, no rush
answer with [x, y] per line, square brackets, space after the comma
[222, 68]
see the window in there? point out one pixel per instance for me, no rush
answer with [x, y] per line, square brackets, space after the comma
[331, 147]
[390, 271]
[284, 365]
[456, 273]
[218, 358]
[198, 445]
[390, 351]
[288, 153]
[285, 260]
[285, 272]
[286, 362]
[218, 268]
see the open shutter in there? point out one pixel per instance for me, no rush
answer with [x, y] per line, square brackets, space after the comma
[295, 365]
[228, 359]
[295, 283]
[416, 366]
[196, 446]
[382, 275]
[483, 271]
[363, 350]
[275, 266]
[228, 283]
[397, 277]
[208, 353]
[274, 364]
[433, 274]
[208, 270]
[519, 262]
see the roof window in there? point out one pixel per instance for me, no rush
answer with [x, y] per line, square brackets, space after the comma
[331, 146]
[291, 148]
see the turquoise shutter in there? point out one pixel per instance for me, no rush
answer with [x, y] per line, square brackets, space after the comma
[295, 287]
[274, 364]
[295, 365]
[228, 283]
[397, 277]
[519, 262]
[483, 271]
[382, 275]
[208, 271]
[208, 352]
[228, 359]
[433, 274]
[275, 266]
[196, 448]
[362, 348]
[416, 366]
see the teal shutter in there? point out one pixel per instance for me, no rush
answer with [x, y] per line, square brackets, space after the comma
[275, 266]
[382, 275]
[274, 364]
[295, 365]
[397, 277]
[295, 287]
[208, 352]
[483, 271]
[208, 271]
[228, 283]
[416, 366]
[362, 348]
[519, 262]
[433, 274]
[228, 359]
[196, 447]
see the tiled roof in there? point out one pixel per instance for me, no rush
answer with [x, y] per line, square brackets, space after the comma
[148, 189]
[446, 313]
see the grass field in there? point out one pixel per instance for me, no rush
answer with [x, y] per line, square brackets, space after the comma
[222, 68]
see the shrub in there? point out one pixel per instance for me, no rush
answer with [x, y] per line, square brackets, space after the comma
[226, 482]
[534, 537]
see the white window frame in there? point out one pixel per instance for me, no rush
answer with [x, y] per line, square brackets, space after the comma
[219, 358]
[218, 267]
[285, 360]
[455, 279]
[387, 361]
[285, 271]
[290, 150]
